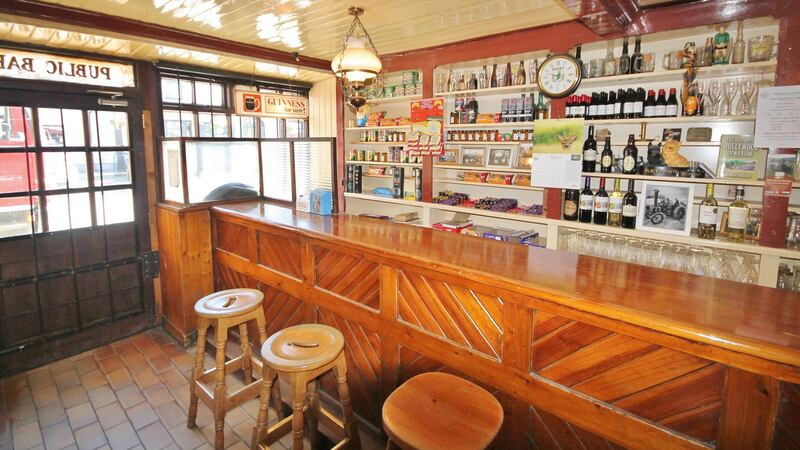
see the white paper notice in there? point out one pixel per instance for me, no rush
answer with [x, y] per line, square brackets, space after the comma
[778, 117]
[556, 170]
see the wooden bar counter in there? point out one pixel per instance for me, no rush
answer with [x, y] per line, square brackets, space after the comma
[582, 352]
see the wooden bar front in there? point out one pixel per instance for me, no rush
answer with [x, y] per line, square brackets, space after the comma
[582, 352]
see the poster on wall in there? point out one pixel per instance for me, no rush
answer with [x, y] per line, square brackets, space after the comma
[777, 117]
[557, 153]
[427, 133]
[260, 104]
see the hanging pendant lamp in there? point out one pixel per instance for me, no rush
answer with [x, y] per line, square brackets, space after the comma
[357, 66]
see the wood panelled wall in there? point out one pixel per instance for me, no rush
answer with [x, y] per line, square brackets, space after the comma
[565, 378]
[322, 104]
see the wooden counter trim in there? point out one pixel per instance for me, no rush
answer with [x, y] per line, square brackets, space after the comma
[595, 416]
[773, 360]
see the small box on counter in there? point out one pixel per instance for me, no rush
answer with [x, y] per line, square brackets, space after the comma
[519, 237]
[498, 234]
[453, 226]
[535, 242]
[476, 230]
[322, 202]
[406, 217]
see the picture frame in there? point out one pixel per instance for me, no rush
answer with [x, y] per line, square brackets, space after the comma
[524, 157]
[450, 156]
[666, 207]
[499, 157]
[473, 156]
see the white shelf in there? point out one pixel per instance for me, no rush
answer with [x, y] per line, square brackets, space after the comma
[384, 144]
[727, 70]
[679, 119]
[400, 99]
[377, 198]
[496, 214]
[466, 126]
[381, 176]
[480, 169]
[488, 185]
[490, 91]
[381, 163]
[392, 127]
[720, 181]
[489, 143]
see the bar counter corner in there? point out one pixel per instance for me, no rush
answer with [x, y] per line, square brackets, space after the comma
[582, 352]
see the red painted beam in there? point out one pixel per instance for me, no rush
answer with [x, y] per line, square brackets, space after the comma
[135, 28]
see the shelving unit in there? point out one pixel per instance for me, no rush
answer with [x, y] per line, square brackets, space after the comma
[481, 169]
[518, 89]
[488, 185]
[679, 119]
[658, 76]
[386, 128]
[720, 181]
[389, 100]
[380, 144]
[382, 163]
[467, 126]
[493, 143]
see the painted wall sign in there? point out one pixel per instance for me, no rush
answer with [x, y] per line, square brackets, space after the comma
[65, 69]
[427, 130]
[250, 103]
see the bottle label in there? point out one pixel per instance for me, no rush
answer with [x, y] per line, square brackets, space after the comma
[609, 110]
[638, 107]
[672, 110]
[628, 164]
[570, 208]
[592, 110]
[587, 202]
[617, 108]
[661, 110]
[615, 205]
[607, 161]
[629, 211]
[737, 217]
[708, 215]
[601, 204]
[629, 107]
[590, 155]
[649, 111]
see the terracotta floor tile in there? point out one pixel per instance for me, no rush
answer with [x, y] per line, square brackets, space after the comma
[111, 415]
[86, 364]
[110, 364]
[19, 396]
[27, 436]
[154, 436]
[171, 414]
[173, 378]
[22, 412]
[90, 437]
[119, 378]
[67, 379]
[230, 436]
[129, 396]
[58, 436]
[104, 352]
[125, 348]
[141, 415]
[160, 362]
[15, 382]
[45, 395]
[135, 362]
[146, 378]
[60, 367]
[157, 395]
[81, 415]
[102, 396]
[40, 378]
[122, 437]
[236, 416]
[93, 378]
[51, 415]
[187, 438]
[74, 396]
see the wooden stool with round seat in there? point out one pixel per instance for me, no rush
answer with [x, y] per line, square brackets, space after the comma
[300, 355]
[224, 310]
[439, 411]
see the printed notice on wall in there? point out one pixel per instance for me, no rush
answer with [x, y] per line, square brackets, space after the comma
[557, 153]
[778, 117]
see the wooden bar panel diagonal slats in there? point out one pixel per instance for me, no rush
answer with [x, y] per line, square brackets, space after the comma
[787, 428]
[549, 432]
[232, 238]
[456, 313]
[279, 252]
[352, 277]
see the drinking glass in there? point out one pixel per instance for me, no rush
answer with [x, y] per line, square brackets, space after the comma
[650, 254]
[750, 264]
[619, 246]
[597, 67]
[648, 62]
[795, 283]
[714, 97]
[744, 108]
[699, 262]
[729, 88]
[634, 250]
[440, 82]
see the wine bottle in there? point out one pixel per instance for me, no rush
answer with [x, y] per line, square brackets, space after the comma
[507, 75]
[569, 102]
[629, 101]
[629, 156]
[737, 57]
[629, 207]
[607, 157]
[601, 204]
[602, 107]
[590, 151]
[707, 221]
[543, 107]
[618, 110]
[473, 82]
[593, 107]
[661, 104]
[571, 200]
[461, 84]
[737, 216]
[650, 104]
[636, 58]
[521, 74]
[586, 203]
[493, 81]
[638, 105]
[625, 59]
[580, 61]
[615, 206]
[611, 106]
[672, 104]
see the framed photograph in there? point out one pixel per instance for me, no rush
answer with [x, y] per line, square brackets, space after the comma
[524, 157]
[499, 157]
[450, 155]
[473, 156]
[671, 134]
[666, 207]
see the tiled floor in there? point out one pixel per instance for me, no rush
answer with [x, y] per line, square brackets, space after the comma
[129, 394]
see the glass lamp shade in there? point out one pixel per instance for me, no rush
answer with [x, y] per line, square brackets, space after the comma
[356, 62]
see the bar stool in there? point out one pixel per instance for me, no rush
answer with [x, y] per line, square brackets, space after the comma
[300, 355]
[437, 410]
[224, 310]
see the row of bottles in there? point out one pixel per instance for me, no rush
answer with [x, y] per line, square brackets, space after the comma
[503, 77]
[626, 64]
[488, 135]
[615, 209]
[630, 155]
[623, 104]
[382, 136]
[522, 109]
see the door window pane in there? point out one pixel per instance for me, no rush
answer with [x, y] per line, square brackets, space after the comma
[187, 124]
[16, 127]
[204, 125]
[17, 173]
[77, 175]
[269, 127]
[186, 92]
[80, 213]
[114, 206]
[173, 181]
[220, 125]
[54, 170]
[91, 117]
[113, 128]
[217, 98]
[73, 128]
[172, 123]
[169, 90]
[313, 163]
[221, 170]
[295, 128]
[275, 157]
[202, 93]
[57, 212]
[16, 216]
[111, 168]
[51, 132]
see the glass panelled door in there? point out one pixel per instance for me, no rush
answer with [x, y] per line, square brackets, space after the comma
[72, 227]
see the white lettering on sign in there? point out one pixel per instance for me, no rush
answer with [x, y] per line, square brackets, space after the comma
[250, 103]
[41, 66]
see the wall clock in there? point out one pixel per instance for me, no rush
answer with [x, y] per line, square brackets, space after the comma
[559, 76]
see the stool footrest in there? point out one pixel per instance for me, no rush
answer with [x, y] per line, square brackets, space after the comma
[231, 366]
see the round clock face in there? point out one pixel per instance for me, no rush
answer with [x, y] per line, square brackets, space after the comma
[559, 76]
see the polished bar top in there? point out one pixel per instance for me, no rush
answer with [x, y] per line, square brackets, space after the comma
[750, 319]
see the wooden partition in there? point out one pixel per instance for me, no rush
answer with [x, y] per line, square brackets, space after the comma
[581, 352]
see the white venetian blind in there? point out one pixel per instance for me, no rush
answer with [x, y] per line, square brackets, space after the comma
[313, 166]
[277, 170]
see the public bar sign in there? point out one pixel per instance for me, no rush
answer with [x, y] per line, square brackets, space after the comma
[65, 69]
[251, 103]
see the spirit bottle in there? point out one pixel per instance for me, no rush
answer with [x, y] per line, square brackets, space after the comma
[707, 221]
[738, 45]
[615, 206]
[737, 216]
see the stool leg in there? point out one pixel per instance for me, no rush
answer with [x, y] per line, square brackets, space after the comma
[220, 394]
[298, 403]
[277, 402]
[261, 324]
[262, 422]
[312, 413]
[391, 445]
[350, 429]
[246, 354]
[197, 371]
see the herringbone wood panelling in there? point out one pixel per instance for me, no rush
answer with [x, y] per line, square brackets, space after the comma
[232, 238]
[457, 313]
[547, 432]
[281, 253]
[227, 278]
[362, 350]
[675, 389]
[282, 310]
[411, 364]
[787, 425]
[353, 277]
